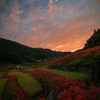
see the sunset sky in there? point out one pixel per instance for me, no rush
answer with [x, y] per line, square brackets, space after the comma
[61, 25]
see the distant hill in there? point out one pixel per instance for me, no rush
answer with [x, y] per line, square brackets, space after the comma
[14, 52]
[93, 41]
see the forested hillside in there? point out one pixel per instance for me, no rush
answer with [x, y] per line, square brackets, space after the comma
[14, 52]
[94, 40]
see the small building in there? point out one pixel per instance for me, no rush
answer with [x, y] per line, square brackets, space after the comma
[19, 66]
[39, 61]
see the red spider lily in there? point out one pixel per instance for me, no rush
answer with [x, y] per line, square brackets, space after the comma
[98, 90]
[65, 87]
[72, 57]
[42, 99]
[79, 97]
[4, 98]
[14, 90]
[5, 75]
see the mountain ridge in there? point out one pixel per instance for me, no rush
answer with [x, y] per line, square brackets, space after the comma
[11, 51]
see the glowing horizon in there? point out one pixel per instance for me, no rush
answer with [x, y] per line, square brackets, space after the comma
[60, 25]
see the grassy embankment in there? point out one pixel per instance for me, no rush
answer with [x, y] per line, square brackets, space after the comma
[72, 75]
[87, 61]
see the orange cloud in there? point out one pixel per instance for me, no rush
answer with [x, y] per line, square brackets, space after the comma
[14, 18]
[41, 17]
[50, 5]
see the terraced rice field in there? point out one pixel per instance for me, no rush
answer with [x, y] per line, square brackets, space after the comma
[42, 84]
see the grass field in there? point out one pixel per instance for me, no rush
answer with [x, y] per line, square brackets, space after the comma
[29, 84]
[28, 87]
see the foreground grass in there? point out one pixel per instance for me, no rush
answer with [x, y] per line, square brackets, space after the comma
[75, 76]
[31, 86]
[2, 85]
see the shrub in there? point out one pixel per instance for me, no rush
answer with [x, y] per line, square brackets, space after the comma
[96, 69]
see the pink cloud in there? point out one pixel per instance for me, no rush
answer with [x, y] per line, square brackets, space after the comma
[14, 18]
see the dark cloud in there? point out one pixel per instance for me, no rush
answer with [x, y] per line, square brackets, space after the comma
[2, 10]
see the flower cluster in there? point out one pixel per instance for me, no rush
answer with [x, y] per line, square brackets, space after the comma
[79, 94]
[12, 91]
[66, 88]
[5, 75]
[73, 57]
[42, 99]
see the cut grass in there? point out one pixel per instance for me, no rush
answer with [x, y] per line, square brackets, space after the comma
[1, 73]
[2, 85]
[75, 76]
[23, 68]
[31, 86]
[13, 70]
[3, 69]
[13, 73]
[26, 68]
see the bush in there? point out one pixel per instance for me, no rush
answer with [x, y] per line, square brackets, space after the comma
[96, 69]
